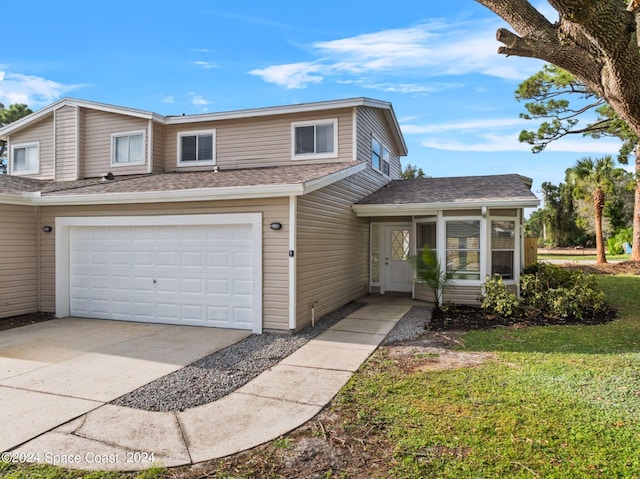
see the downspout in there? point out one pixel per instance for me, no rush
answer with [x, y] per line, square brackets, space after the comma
[293, 228]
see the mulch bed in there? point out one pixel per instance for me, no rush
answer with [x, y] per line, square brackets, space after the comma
[23, 320]
[468, 318]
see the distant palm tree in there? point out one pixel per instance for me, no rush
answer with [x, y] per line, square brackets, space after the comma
[594, 178]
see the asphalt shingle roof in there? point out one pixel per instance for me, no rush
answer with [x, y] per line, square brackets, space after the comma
[279, 175]
[460, 189]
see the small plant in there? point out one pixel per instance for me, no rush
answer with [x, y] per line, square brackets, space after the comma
[431, 273]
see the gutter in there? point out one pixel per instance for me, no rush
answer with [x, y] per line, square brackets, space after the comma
[425, 208]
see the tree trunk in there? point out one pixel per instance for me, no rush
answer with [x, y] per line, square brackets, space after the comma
[635, 246]
[598, 203]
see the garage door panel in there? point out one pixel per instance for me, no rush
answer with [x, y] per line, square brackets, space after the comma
[200, 275]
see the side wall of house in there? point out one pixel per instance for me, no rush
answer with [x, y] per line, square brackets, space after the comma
[41, 132]
[372, 123]
[19, 260]
[332, 265]
[66, 143]
[275, 245]
[96, 153]
[260, 141]
[158, 147]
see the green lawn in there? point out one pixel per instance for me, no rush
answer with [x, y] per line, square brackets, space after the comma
[549, 402]
[581, 257]
[560, 402]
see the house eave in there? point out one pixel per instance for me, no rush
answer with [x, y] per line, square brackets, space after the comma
[412, 209]
[174, 196]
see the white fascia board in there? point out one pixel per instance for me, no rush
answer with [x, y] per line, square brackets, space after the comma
[313, 185]
[201, 194]
[425, 208]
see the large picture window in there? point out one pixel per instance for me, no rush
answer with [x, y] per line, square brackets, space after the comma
[503, 245]
[26, 158]
[127, 148]
[196, 148]
[463, 248]
[315, 139]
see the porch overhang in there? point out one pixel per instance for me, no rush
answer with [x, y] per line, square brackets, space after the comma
[415, 209]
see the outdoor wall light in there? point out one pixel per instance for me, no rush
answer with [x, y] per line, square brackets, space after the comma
[275, 226]
[47, 229]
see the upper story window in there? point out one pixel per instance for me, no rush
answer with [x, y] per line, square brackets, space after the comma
[197, 148]
[127, 148]
[315, 139]
[380, 156]
[26, 158]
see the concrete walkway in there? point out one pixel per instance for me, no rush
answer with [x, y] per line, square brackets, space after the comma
[107, 437]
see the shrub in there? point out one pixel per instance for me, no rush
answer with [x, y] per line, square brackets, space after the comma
[614, 244]
[550, 291]
[498, 299]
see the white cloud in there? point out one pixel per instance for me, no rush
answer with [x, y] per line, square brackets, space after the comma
[205, 65]
[402, 87]
[30, 89]
[168, 99]
[466, 126]
[292, 75]
[429, 49]
[493, 143]
[198, 100]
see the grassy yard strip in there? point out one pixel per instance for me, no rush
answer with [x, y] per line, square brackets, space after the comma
[582, 257]
[560, 402]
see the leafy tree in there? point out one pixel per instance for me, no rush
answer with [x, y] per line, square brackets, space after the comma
[596, 42]
[9, 115]
[594, 178]
[411, 171]
[559, 216]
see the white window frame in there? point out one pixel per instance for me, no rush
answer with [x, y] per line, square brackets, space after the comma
[516, 247]
[19, 146]
[123, 134]
[380, 166]
[314, 156]
[481, 255]
[196, 133]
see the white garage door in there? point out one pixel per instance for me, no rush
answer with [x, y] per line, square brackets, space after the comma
[201, 275]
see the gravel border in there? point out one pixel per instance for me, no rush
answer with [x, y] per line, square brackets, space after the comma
[224, 371]
[410, 326]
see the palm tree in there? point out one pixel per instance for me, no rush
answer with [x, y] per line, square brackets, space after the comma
[594, 178]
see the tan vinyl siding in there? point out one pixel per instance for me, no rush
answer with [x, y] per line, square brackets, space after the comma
[258, 142]
[275, 245]
[458, 295]
[19, 260]
[371, 122]
[66, 143]
[453, 213]
[81, 142]
[96, 154]
[41, 132]
[332, 246]
[158, 147]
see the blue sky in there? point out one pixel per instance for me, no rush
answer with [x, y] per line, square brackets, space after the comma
[436, 61]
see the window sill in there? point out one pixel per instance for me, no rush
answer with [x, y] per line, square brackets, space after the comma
[25, 172]
[186, 164]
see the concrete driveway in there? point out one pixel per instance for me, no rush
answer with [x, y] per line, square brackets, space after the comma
[53, 372]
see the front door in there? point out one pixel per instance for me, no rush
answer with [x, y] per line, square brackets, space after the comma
[398, 274]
